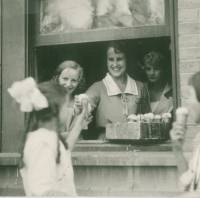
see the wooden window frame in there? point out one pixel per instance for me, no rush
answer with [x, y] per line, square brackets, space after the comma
[99, 34]
[0, 73]
[169, 29]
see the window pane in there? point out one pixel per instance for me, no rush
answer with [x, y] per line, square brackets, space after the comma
[60, 16]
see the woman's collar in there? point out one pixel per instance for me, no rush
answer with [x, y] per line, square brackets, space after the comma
[113, 89]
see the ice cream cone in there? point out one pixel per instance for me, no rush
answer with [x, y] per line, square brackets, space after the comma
[182, 115]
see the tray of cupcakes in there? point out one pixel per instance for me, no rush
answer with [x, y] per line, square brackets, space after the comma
[140, 127]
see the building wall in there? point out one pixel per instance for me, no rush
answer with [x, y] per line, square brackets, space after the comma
[189, 53]
[13, 68]
[107, 179]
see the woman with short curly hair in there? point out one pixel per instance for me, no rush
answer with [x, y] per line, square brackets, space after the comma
[160, 90]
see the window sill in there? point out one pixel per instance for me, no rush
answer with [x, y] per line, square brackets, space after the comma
[9, 159]
[96, 153]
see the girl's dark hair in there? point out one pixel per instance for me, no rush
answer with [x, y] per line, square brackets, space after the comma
[158, 60]
[155, 59]
[55, 97]
[74, 65]
[195, 82]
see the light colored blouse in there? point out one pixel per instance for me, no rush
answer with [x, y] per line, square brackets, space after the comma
[113, 105]
[165, 104]
[41, 173]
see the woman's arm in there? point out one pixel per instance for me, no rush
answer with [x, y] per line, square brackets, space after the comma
[79, 124]
[93, 93]
[93, 97]
[177, 134]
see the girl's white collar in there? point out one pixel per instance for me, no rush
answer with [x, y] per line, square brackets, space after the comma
[113, 89]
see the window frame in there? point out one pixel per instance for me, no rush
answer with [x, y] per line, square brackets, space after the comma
[169, 29]
[1, 73]
[101, 34]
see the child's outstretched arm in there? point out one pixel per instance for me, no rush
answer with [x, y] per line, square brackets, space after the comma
[78, 126]
[177, 134]
[185, 170]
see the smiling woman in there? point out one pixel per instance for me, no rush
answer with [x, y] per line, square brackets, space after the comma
[69, 74]
[117, 95]
[116, 63]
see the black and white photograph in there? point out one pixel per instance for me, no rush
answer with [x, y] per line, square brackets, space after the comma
[100, 98]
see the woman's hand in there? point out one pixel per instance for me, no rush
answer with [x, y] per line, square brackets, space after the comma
[177, 134]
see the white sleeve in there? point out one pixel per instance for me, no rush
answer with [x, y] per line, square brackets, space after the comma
[40, 161]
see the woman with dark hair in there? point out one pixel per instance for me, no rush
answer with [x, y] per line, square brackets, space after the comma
[117, 95]
[159, 87]
[190, 173]
[47, 168]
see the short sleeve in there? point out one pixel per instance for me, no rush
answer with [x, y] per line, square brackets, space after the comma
[94, 94]
[40, 162]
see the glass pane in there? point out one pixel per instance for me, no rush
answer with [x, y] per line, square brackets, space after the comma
[59, 16]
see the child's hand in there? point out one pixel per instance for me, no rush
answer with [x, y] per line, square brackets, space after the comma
[85, 117]
[77, 105]
[177, 134]
[80, 123]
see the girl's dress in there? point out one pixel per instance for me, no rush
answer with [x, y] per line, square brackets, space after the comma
[165, 104]
[42, 174]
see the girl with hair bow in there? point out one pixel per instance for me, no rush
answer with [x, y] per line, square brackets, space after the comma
[46, 167]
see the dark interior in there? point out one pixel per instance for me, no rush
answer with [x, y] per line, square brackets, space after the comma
[92, 57]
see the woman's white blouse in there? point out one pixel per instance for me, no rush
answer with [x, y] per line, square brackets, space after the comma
[41, 173]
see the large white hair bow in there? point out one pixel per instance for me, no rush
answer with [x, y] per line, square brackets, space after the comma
[27, 94]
